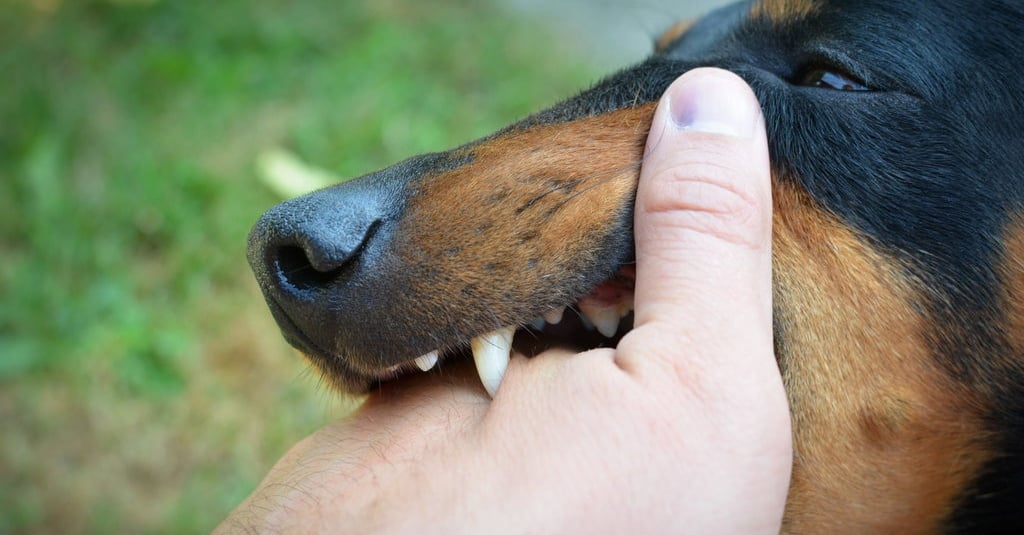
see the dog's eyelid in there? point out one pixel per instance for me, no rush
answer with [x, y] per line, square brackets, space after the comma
[827, 67]
[827, 73]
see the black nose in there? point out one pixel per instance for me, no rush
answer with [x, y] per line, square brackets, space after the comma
[315, 254]
[301, 247]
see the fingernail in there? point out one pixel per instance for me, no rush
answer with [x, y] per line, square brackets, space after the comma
[713, 102]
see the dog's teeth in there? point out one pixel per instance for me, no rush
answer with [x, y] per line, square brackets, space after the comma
[426, 362]
[554, 316]
[626, 306]
[491, 354]
[538, 324]
[605, 319]
[585, 321]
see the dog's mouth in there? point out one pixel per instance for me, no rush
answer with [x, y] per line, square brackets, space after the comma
[598, 319]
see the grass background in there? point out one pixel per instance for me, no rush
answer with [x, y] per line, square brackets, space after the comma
[143, 386]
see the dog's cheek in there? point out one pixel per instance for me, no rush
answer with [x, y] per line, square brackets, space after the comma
[877, 421]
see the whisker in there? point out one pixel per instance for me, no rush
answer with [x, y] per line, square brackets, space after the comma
[602, 177]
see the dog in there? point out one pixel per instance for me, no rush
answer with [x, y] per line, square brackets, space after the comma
[895, 132]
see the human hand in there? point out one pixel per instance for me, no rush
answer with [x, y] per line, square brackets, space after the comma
[684, 427]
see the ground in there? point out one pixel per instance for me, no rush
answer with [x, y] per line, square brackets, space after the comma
[143, 385]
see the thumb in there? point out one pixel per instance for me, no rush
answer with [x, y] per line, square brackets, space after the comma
[703, 223]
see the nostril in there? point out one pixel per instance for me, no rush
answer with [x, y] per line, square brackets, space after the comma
[314, 244]
[293, 267]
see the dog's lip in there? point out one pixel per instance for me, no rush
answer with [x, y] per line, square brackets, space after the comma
[290, 329]
[606, 309]
[588, 323]
[295, 336]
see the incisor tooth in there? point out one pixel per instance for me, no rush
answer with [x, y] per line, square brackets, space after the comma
[426, 362]
[554, 316]
[606, 319]
[491, 354]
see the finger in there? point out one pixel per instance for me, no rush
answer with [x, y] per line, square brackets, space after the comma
[703, 221]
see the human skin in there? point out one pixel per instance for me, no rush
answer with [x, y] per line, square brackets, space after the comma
[684, 427]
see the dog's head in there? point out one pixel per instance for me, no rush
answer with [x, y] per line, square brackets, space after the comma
[895, 131]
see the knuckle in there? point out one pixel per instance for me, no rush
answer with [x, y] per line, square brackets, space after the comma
[708, 199]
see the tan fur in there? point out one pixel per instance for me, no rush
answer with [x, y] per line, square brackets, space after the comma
[781, 11]
[884, 440]
[670, 35]
[529, 205]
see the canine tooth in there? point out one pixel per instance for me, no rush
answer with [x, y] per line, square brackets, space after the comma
[537, 324]
[554, 316]
[606, 319]
[491, 354]
[426, 362]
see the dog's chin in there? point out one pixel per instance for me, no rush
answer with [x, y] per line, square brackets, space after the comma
[598, 319]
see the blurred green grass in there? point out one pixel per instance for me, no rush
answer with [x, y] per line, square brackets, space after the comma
[143, 386]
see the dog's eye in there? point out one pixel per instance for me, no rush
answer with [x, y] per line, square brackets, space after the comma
[827, 79]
